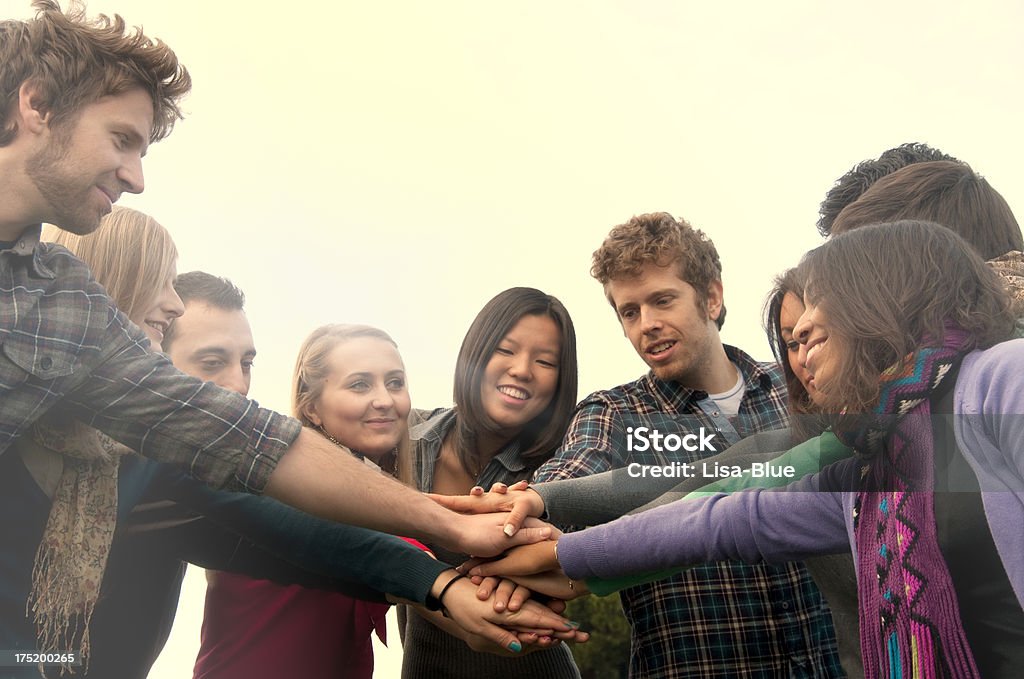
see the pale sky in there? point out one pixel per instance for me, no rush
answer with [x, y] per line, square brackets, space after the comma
[398, 163]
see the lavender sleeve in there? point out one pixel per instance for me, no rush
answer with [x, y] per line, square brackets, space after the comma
[990, 432]
[774, 525]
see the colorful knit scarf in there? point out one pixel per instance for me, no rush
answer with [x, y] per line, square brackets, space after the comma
[910, 624]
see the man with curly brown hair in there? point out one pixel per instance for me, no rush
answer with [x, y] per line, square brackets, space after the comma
[663, 279]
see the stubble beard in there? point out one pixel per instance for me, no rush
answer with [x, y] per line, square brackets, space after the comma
[59, 187]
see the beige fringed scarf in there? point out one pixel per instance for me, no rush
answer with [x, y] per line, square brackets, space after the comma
[73, 554]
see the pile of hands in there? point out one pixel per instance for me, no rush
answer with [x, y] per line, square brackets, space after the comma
[519, 577]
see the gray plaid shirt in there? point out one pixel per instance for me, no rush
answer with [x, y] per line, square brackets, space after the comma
[65, 347]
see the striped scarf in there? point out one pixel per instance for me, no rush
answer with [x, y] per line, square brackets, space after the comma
[910, 621]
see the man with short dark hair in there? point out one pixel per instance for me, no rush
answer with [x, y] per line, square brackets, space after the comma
[861, 176]
[212, 340]
[180, 521]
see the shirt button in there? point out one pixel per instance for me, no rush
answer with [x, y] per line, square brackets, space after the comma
[46, 363]
[785, 605]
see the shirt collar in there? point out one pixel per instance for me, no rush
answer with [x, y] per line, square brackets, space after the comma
[509, 457]
[27, 245]
[435, 429]
[755, 376]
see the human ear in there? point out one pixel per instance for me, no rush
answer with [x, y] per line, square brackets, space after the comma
[714, 300]
[33, 111]
[310, 412]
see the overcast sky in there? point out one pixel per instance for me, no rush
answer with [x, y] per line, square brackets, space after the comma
[399, 163]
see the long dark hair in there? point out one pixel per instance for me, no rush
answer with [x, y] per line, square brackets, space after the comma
[544, 433]
[889, 289]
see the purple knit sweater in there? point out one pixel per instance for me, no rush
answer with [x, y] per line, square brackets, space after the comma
[802, 519]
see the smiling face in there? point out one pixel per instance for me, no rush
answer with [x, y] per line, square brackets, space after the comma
[155, 318]
[364, 400]
[81, 171]
[662, 317]
[821, 350]
[789, 313]
[521, 376]
[215, 345]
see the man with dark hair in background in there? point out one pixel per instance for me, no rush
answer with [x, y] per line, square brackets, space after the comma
[861, 176]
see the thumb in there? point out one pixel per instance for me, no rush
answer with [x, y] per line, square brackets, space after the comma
[500, 636]
[527, 536]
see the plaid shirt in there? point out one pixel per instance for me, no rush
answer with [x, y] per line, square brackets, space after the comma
[64, 344]
[722, 619]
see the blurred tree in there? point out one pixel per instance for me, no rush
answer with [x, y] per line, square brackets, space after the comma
[606, 655]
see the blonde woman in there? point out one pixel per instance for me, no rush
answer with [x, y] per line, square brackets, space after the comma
[69, 485]
[350, 386]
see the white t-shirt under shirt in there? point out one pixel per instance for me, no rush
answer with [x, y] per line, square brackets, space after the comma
[728, 402]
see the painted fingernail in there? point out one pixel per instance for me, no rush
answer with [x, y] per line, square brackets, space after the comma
[515, 647]
[509, 530]
[573, 624]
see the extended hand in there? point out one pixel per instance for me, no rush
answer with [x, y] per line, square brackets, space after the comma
[524, 560]
[518, 500]
[532, 620]
[484, 535]
[555, 584]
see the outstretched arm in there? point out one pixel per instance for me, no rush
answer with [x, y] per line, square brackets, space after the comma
[225, 440]
[755, 525]
[605, 496]
[314, 478]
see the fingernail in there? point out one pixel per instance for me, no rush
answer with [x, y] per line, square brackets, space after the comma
[573, 624]
[515, 647]
[509, 530]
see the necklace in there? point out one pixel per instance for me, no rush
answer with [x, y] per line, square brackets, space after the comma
[330, 438]
[392, 456]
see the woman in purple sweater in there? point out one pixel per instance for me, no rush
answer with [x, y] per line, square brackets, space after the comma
[904, 335]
